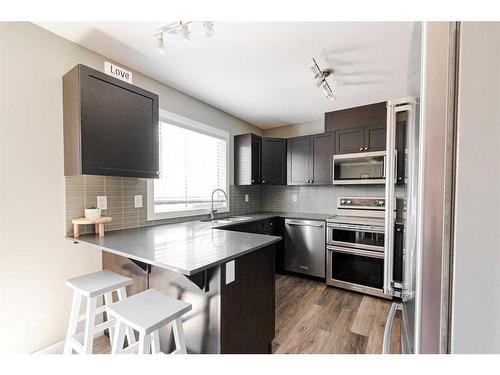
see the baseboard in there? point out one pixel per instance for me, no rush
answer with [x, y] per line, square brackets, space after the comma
[57, 348]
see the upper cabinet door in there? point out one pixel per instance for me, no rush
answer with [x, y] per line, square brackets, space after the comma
[299, 161]
[110, 126]
[349, 141]
[256, 159]
[247, 159]
[375, 137]
[323, 146]
[273, 161]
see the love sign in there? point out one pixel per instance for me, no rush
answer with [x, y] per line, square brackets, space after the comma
[117, 72]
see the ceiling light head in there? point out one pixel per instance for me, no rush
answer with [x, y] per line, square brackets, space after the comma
[320, 76]
[160, 45]
[209, 28]
[185, 33]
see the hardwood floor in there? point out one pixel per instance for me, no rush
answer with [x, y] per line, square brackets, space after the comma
[314, 318]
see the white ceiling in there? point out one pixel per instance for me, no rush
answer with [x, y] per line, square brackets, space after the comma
[259, 72]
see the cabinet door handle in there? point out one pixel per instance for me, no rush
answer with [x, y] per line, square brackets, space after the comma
[263, 181]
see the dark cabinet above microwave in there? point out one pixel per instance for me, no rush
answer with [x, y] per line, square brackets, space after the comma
[110, 126]
[368, 138]
[358, 129]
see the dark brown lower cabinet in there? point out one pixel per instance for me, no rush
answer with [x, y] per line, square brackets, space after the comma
[248, 304]
[273, 226]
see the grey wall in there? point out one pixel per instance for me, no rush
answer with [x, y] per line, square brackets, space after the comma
[476, 297]
[296, 130]
[35, 256]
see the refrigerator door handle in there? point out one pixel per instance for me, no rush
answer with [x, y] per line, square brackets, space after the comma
[386, 345]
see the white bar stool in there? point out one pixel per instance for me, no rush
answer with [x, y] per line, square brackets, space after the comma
[147, 312]
[93, 286]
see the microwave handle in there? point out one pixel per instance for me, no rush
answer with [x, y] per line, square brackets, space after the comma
[364, 253]
[333, 170]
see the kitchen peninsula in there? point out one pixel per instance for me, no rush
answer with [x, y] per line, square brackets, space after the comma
[227, 276]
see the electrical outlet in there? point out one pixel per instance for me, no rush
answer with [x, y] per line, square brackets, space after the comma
[102, 202]
[247, 198]
[294, 197]
[137, 201]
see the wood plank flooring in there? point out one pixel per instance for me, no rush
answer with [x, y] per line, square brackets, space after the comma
[314, 318]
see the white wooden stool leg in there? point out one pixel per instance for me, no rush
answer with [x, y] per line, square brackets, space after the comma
[108, 300]
[119, 338]
[144, 342]
[155, 342]
[180, 341]
[73, 322]
[88, 341]
[122, 294]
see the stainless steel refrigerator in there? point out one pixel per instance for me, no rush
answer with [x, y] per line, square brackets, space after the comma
[419, 183]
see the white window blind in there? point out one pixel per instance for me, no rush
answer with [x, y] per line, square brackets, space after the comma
[192, 165]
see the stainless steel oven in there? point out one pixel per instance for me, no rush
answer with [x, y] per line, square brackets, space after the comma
[358, 236]
[355, 246]
[354, 269]
[359, 168]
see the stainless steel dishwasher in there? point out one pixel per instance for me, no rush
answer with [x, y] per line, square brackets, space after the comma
[305, 247]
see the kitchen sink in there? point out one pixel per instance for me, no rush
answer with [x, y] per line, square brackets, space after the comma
[228, 220]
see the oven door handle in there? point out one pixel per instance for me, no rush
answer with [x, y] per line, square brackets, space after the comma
[364, 253]
[357, 228]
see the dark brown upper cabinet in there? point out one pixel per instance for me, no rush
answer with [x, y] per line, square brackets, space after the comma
[375, 137]
[110, 126]
[310, 159]
[350, 140]
[358, 129]
[299, 160]
[322, 150]
[273, 161]
[247, 159]
[259, 160]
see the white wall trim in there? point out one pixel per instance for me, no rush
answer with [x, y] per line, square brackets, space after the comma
[199, 127]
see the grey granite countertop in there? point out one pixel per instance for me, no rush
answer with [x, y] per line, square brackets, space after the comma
[188, 247]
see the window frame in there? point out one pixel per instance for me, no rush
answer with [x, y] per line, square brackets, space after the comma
[198, 127]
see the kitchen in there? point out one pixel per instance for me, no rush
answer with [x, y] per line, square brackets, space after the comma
[303, 238]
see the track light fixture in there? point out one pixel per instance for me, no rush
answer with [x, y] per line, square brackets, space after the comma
[320, 76]
[209, 28]
[179, 28]
[185, 33]
[160, 45]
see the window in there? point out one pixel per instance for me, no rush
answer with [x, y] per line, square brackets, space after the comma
[193, 162]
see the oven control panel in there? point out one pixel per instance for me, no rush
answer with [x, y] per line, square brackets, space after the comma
[361, 203]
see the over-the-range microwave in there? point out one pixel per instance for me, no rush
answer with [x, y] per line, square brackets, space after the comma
[359, 168]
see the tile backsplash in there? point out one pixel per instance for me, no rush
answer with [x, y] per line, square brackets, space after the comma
[313, 199]
[82, 192]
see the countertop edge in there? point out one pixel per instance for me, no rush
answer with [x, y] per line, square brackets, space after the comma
[272, 240]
